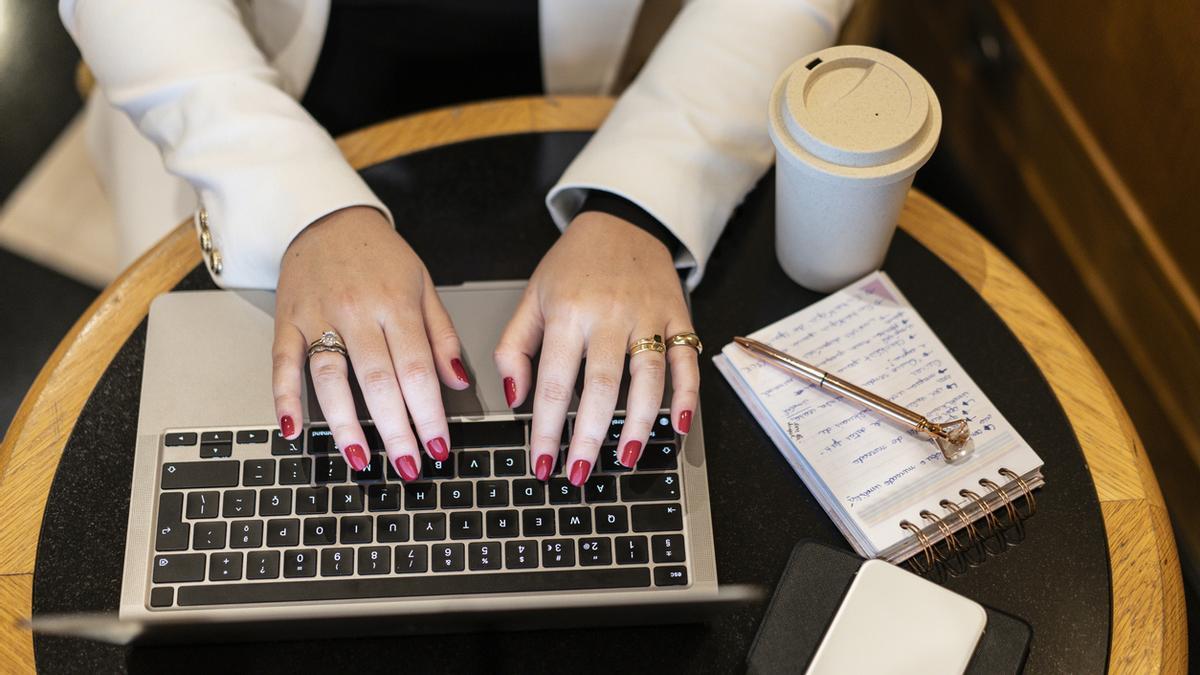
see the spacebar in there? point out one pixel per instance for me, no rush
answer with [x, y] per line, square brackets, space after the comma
[396, 587]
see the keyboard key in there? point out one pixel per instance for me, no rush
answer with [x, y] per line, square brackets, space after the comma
[384, 497]
[239, 503]
[374, 440]
[312, 500]
[208, 536]
[216, 437]
[675, 575]
[275, 502]
[614, 430]
[257, 472]
[668, 548]
[163, 596]
[183, 567]
[456, 495]
[348, 499]
[562, 492]
[245, 534]
[632, 551]
[418, 496]
[374, 560]
[466, 525]
[281, 446]
[283, 532]
[510, 462]
[599, 489]
[558, 553]
[225, 566]
[576, 520]
[448, 558]
[391, 529]
[502, 524]
[528, 492]
[521, 555]
[187, 475]
[262, 565]
[485, 556]
[412, 559]
[252, 436]
[320, 441]
[295, 471]
[611, 520]
[330, 469]
[373, 470]
[178, 438]
[659, 457]
[320, 531]
[491, 493]
[431, 468]
[537, 522]
[356, 529]
[649, 487]
[337, 562]
[299, 563]
[662, 429]
[490, 434]
[595, 551]
[608, 460]
[656, 517]
[203, 505]
[474, 464]
[172, 534]
[429, 526]
[211, 450]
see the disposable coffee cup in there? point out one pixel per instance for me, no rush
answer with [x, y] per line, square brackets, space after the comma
[851, 126]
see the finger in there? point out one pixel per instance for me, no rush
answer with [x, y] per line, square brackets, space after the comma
[288, 353]
[557, 368]
[333, 393]
[685, 377]
[443, 339]
[514, 353]
[601, 382]
[381, 392]
[647, 372]
[413, 360]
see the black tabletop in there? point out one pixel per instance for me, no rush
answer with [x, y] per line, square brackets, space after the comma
[475, 211]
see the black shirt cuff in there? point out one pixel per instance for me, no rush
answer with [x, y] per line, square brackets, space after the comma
[615, 205]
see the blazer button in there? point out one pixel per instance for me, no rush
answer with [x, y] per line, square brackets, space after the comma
[214, 261]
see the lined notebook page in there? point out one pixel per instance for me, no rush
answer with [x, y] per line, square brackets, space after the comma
[867, 472]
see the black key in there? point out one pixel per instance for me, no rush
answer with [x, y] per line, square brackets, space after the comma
[419, 496]
[537, 522]
[186, 475]
[491, 493]
[356, 529]
[659, 457]
[374, 560]
[383, 497]
[282, 446]
[614, 430]
[348, 499]
[412, 559]
[456, 495]
[521, 555]
[668, 548]
[172, 534]
[662, 430]
[656, 517]
[172, 569]
[448, 558]
[487, 434]
[675, 575]
[562, 492]
[510, 462]
[208, 536]
[474, 464]
[600, 489]
[391, 529]
[239, 503]
[429, 526]
[258, 472]
[595, 551]
[392, 587]
[528, 492]
[649, 487]
[295, 471]
[485, 555]
[225, 566]
[262, 565]
[283, 532]
[608, 460]
[577, 520]
[300, 562]
[373, 470]
[162, 597]
[211, 450]
[178, 438]
[245, 534]
[275, 502]
[558, 553]
[374, 440]
[432, 468]
[320, 531]
[330, 469]
[252, 436]
[311, 500]
[466, 525]
[320, 441]
[503, 524]
[203, 505]
[611, 520]
[216, 437]
[337, 562]
[632, 551]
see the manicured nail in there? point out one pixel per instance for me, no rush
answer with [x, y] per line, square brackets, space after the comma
[510, 390]
[685, 421]
[542, 469]
[459, 371]
[407, 468]
[437, 449]
[629, 456]
[357, 457]
[579, 472]
[287, 426]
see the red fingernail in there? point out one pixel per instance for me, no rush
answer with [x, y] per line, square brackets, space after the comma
[287, 426]
[437, 449]
[685, 421]
[629, 456]
[579, 472]
[407, 468]
[357, 457]
[510, 390]
[459, 371]
[542, 469]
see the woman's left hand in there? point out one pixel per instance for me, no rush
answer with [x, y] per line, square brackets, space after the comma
[603, 286]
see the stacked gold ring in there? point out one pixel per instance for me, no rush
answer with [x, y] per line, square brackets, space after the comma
[686, 340]
[654, 343]
[329, 341]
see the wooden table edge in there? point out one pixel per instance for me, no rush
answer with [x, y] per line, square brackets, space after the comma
[1155, 642]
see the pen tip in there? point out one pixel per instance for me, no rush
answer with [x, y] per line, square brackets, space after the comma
[742, 341]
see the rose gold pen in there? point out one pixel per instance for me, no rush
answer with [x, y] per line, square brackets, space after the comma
[952, 438]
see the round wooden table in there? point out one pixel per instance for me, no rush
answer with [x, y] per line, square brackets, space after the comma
[1148, 621]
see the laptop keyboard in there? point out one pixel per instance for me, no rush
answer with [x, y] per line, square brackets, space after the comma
[246, 516]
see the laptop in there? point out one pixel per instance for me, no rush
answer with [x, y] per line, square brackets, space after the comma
[236, 533]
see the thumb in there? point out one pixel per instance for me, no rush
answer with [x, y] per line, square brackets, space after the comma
[518, 344]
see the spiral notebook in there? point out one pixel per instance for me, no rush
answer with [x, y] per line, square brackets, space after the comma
[888, 490]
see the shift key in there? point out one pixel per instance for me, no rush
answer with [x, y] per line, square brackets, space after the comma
[171, 569]
[649, 487]
[181, 475]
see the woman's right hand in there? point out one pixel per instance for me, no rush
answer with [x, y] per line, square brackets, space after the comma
[350, 272]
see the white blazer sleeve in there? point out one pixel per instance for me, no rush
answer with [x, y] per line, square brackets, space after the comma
[688, 139]
[191, 78]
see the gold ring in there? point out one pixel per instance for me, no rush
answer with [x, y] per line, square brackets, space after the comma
[329, 341]
[686, 340]
[648, 343]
